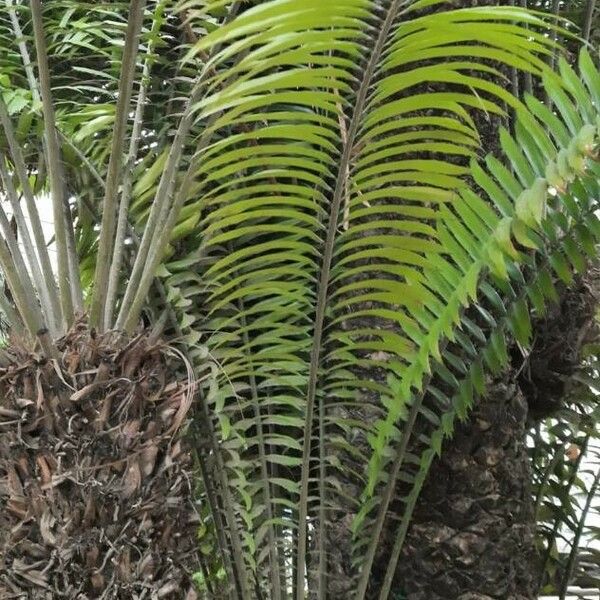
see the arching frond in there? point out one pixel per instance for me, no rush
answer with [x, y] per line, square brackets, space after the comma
[331, 263]
[502, 263]
[347, 288]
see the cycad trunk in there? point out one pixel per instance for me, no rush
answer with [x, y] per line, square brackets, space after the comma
[472, 532]
[96, 491]
[472, 535]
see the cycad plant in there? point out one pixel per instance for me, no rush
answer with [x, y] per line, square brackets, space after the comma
[293, 191]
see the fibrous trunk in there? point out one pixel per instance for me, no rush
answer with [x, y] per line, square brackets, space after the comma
[96, 488]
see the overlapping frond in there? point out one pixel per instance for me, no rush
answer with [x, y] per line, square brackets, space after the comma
[263, 183]
[85, 44]
[345, 286]
[331, 160]
[497, 268]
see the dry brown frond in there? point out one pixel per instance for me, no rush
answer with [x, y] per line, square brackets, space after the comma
[96, 490]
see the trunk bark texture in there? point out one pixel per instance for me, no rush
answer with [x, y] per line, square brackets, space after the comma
[472, 533]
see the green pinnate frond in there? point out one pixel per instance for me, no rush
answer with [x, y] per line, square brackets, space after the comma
[556, 220]
[323, 183]
[344, 287]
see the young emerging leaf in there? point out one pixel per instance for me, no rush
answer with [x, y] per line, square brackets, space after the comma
[530, 206]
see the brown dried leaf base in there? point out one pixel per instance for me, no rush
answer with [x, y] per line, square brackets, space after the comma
[96, 486]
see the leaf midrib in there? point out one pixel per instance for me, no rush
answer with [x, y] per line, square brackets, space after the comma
[322, 297]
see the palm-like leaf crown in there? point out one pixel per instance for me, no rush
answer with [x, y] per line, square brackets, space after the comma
[346, 286]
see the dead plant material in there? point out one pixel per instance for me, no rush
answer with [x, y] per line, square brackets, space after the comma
[96, 487]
